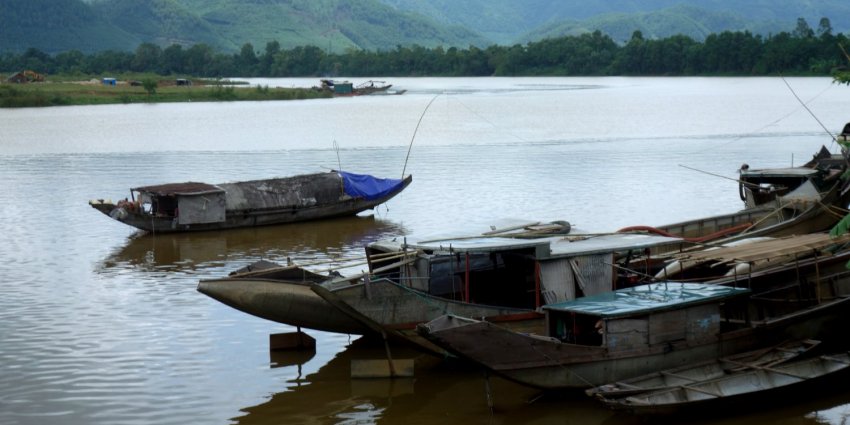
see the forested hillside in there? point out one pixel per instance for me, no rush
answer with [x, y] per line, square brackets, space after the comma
[510, 21]
[58, 25]
[337, 26]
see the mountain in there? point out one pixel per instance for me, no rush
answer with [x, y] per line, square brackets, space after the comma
[516, 21]
[59, 25]
[55, 26]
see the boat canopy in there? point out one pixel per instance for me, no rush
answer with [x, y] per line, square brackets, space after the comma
[645, 299]
[368, 187]
[173, 189]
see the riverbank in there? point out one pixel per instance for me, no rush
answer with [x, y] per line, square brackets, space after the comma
[96, 92]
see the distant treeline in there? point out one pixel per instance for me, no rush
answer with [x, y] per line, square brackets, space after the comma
[804, 51]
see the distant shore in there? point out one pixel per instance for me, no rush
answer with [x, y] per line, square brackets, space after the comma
[94, 91]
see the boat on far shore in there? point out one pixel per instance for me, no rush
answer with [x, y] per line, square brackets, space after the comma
[194, 206]
[347, 88]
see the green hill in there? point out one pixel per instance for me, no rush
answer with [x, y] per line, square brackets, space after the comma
[55, 26]
[59, 25]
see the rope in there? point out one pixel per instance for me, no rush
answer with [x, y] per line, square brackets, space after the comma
[739, 228]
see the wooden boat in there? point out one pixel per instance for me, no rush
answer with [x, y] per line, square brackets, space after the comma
[747, 385]
[281, 294]
[557, 270]
[612, 336]
[778, 202]
[502, 279]
[346, 88]
[703, 371]
[191, 206]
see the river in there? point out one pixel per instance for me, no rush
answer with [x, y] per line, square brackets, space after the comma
[102, 325]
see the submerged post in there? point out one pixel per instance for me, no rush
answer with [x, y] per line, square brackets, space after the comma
[291, 341]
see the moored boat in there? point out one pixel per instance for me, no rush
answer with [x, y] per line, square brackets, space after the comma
[612, 336]
[745, 387]
[193, 206]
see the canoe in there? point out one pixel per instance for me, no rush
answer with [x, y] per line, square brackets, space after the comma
[194, 206]
[749, 386]
[702, 371]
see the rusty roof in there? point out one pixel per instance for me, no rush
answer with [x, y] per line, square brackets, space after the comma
[187, 188]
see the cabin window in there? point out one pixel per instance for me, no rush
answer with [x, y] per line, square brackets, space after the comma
[580, 329]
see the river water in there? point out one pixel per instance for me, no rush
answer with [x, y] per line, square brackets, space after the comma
[102, 325]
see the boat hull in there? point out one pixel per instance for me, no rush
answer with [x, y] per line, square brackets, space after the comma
[288, 302]
[248, 217]
[746, 389]
[388, 307]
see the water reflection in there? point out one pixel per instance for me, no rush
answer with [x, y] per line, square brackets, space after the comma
[300, 242]
[441, 392]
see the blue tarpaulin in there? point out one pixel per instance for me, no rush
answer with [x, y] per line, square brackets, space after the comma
[368, 187]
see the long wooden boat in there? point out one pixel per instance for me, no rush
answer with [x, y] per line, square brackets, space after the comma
[748, 385]
[703, 371]
[193, 206]
[612, 336]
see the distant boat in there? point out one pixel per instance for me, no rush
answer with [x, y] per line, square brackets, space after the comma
[193, 206]
[745, 387]
[346, 88]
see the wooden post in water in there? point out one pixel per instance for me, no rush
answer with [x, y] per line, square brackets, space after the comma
[291, 341]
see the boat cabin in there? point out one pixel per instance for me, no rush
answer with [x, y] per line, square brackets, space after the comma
[643, 316]
[187, 203]
[522, 268]
[793, 185]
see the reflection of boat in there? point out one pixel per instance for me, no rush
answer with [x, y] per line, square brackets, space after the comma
[440, 393]
[747, 387]
[191, 206]
[321, 238]
[617, 335]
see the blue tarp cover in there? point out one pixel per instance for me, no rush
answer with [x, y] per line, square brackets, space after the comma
[368, 187]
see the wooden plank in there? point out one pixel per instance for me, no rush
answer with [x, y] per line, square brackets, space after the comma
[291, 341]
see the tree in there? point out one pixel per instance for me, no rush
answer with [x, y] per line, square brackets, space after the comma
[149, 84]
[803, 30]
[147, 58]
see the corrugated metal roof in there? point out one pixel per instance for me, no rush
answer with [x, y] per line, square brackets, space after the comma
[557, 246]
[644, 299]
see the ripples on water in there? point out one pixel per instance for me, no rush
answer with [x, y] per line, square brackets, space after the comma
[102, 325]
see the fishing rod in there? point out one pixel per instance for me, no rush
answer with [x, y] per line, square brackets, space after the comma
[410, 147]
[723, 177]
[834, 139]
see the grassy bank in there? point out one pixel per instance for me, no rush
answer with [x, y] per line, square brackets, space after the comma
[52, 93]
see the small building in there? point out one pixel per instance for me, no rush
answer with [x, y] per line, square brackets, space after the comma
[26, 76]
[183, 82]
[343, 88]
[108, 81]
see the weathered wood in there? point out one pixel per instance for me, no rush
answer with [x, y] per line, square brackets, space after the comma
[292, 341]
